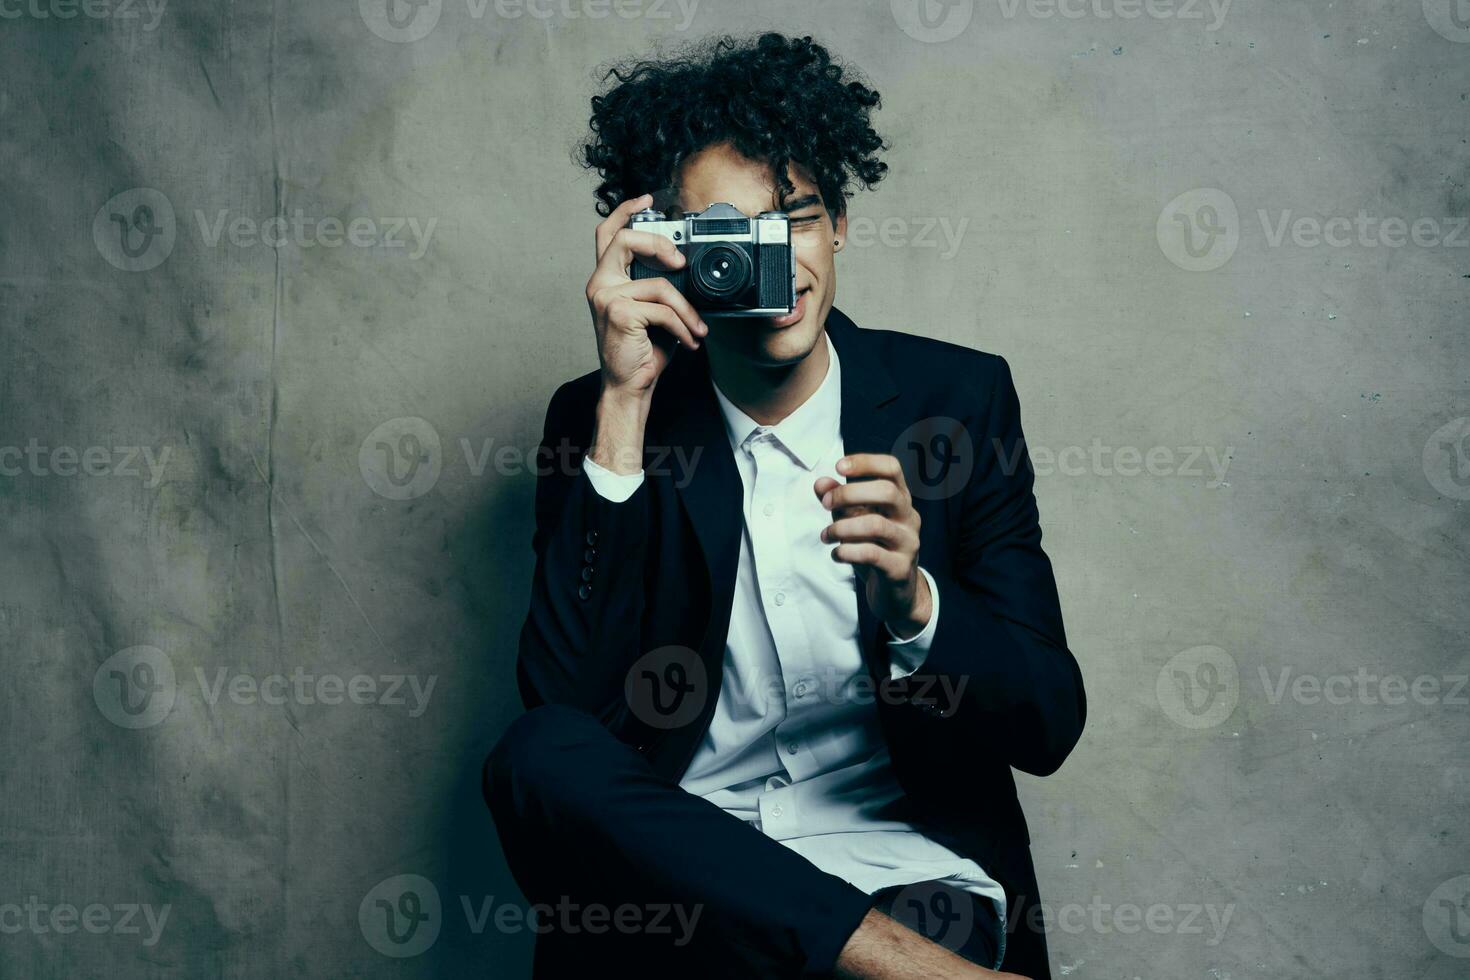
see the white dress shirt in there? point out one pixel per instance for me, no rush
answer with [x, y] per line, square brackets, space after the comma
[794, 748]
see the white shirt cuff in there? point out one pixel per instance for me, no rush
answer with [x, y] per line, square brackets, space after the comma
[907, 656]
[616, 487]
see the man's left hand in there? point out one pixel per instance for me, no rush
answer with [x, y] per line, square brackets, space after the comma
[876, 530]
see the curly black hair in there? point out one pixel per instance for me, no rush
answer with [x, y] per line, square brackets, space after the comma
[775, 99]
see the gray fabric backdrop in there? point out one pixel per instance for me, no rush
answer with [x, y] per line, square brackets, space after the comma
[264, 542]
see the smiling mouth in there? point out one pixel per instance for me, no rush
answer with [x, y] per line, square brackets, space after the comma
[796, 313]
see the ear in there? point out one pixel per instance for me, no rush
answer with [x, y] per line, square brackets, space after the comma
[840, 232]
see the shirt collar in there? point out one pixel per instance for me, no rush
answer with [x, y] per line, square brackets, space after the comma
[807, 433]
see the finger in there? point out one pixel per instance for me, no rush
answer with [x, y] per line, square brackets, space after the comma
[881, 466]
[633, 314]
[613, 266]
[874, 529]
[823, 484]
[663, 291]
[887, 563]
[655, 291]
[880, 495]
[618, 220]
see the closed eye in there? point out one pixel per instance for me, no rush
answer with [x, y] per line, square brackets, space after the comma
[805, 210]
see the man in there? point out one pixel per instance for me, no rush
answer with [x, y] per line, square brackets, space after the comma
[778, 676]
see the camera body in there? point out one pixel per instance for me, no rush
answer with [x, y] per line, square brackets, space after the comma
[737, 265]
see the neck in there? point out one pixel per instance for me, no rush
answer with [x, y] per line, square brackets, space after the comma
[769, 394]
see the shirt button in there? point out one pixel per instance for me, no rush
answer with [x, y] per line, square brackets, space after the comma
[585, 591]
[591, 538]
[800, 688]
[791, 747]
[768, 509]
[776, 810]
[780, 598]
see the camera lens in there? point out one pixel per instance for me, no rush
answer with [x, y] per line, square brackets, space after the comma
[721, 272]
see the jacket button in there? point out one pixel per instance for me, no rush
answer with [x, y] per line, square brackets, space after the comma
[591, 538]
[587, 571]
[585, 591]
[589, 555]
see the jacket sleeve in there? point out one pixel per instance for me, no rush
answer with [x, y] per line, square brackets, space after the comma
[587, 593]
[999, 669]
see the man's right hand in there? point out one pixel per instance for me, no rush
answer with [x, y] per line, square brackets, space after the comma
[638, 325]
[623, 310]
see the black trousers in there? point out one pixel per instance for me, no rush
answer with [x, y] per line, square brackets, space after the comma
[626, 869]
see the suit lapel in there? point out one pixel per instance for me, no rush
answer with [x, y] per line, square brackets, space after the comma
[712, 494]
[869, 424]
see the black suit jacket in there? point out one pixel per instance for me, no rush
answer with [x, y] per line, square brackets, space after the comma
[615, 581]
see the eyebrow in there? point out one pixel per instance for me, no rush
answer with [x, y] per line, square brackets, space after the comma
[808, 201]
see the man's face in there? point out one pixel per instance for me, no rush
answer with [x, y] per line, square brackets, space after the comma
[720, 174]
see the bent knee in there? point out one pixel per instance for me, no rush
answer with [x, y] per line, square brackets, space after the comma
[538, 753]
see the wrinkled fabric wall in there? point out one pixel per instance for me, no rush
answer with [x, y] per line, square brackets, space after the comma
[264, 517]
